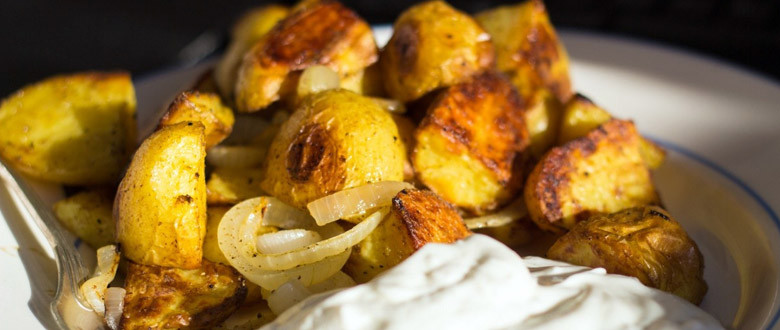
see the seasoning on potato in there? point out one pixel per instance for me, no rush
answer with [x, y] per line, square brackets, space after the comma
[467, 145]
[601, 172]
[643, 242]
[335, 140]
[315, 33]
[76, 129]
[88, 215]
[206, 108]
[433, 45]
[160, 206]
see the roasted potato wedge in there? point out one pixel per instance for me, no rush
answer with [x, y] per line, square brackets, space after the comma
[249, 29]
[643, 242]
[602, 172]
[527, 48]
[335, 140]
[228, 186]
[160, 206]
[74, 129]
[433, 45]
[206, 108]
[317, 33]
[581, 115]
[418, 217]
[466, 145]
[88, 216]
[171, 298]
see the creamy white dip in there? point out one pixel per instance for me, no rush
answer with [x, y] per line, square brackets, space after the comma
[479, 283]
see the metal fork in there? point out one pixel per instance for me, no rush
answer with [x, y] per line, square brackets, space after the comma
[69, 307]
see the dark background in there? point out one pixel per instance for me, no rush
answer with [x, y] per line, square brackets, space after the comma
[45, 37]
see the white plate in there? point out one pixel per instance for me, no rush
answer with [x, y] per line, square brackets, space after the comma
[719, 124]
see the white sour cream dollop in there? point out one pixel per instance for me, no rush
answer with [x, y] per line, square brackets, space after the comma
[478, 283]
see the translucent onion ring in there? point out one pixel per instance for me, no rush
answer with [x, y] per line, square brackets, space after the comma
[505, 216]
[354, 201]
[94, 289]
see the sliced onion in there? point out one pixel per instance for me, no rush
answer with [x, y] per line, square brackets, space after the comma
[236, 156]
[236, 238]
[337, 281]
[94, 289]
[390, 105]
[279, 214]
[505, 216]
[355, 201]
[286, 240]
[287, 295]
[317, 78]
[321, 249]
[115, 304]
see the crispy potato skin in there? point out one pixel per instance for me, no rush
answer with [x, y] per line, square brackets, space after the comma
[76, 129]
[160, 206]
[467, 143]
[171, 298]
[206, 108]
[433, 45]
[527, 48]
[88, 215]
[418, 217]
[227, 186]
[600, 172]
[335, 140]
[318, 33]
[643, 242]
[249, 29]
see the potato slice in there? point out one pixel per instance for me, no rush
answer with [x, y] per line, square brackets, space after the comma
[88, 215]
[228, 186]
[206, 108]
[335, 140]
[160, 207]
[643, 242]
[601, 172]
[527, 48]
[247, 31]
[74, 129]
[581, 115]
[171, 298]
[315, 33]
[467, 143]
[433, 45]
[418, 217]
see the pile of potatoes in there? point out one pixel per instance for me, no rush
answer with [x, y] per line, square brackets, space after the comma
[477, 112]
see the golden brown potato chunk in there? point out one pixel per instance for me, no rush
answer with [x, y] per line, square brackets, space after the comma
[74, 129]
[206, 108]
[581, 115]
[317, 33]
[527, 48]
[433, 45]
[601, 172]
[160, 206]
[643, 242]
[171, 298]
[88, 216]
[418, 217]
[247, 31]
[467, 143]
[335, 140]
